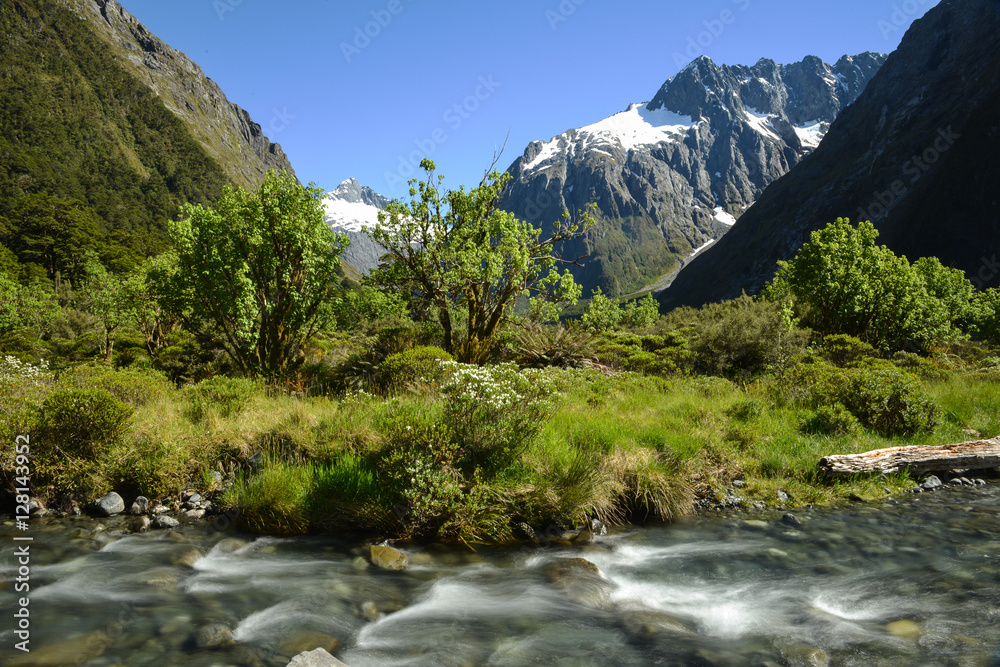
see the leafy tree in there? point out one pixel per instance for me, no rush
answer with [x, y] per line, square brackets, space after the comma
[641, 313]
[962, 303]
[456, 252]
[602, 314]
[54, 233]
[844, 283]
[261, 268]
[144, 288]
[25, 307]
[106, 297]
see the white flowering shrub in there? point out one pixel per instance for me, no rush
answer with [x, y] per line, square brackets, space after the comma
[23, 387]
[494, 411]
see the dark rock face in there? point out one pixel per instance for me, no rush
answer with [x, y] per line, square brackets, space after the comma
[226, 131]
[349, 207]
[915, 154]
[672, 175]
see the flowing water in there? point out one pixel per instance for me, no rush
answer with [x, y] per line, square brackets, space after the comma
[908, 582]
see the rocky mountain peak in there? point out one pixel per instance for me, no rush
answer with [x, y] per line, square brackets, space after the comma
[915, 154]
[670, 176]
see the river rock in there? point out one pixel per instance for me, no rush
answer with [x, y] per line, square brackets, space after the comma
[228, 545]
[109, 505]
[523, 531]
[305, 640]
[931, 482]
[188, 557]
[904, 629]
[645, 624]
[388, 558]
[140, 505]
[583, 537]
[140, 524]
[215, 635]
[791, 519]
[317, 658]
[36, 508]
[163, 521]
[581, 581]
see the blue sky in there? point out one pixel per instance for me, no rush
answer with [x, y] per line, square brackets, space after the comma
[363, 89]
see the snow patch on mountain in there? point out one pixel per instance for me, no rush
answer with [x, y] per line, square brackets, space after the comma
[810, 134]
[725, 218]
[348, 216]
[636, 126]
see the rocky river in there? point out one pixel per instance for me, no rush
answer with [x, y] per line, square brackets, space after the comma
[908, 581]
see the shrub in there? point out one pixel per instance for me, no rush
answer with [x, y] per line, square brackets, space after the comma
[885, 400]
[831, 420]
[228, 396]
[667, 354]
[539, 346]
[744, 338]
[843, 350]
[78, 420]
[493, 411]
[131, 386]
[418, 366]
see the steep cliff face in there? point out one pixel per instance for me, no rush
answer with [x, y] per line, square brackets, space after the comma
[671, 176]
[226, 131]
[915, 154]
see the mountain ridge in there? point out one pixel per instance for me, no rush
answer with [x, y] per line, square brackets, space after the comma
[671, 175]
[914, 154]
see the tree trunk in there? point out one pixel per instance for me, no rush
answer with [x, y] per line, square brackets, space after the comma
[916, 458]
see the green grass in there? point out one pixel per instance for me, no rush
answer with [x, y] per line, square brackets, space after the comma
[626, 448]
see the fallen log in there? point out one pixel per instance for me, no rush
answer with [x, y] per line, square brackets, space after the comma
[975, 454]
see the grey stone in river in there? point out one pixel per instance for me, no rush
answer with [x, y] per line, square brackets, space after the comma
[109, 505]
[213, 636]
[163, 521]
[317, 658]
[388, 558]
[931, 482]
[140, 506]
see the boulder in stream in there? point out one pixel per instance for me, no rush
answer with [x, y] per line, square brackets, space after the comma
[581, 581]
[109, 505]
[317, 658]
[388, 558]
[140, 505]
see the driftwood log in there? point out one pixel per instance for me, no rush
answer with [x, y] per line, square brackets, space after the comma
[975, 454]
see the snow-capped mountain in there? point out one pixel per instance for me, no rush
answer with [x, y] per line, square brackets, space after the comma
[915, 155]
[671, 176]
[347, 209]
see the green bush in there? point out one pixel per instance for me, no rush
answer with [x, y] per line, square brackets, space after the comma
[131, 386]
[77, 421]
[418, 366]
[744, 338]
[831, 420]
[883, 399]
[666, 354]
[226, 395]
[843, 350]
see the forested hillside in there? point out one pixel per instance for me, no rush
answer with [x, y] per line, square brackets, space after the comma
[89, 157]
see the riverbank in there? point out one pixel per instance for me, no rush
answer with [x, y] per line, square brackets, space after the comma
[481, 455]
